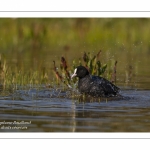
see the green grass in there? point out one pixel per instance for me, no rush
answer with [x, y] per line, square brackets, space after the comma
[91, 62]
[28, 47]
[29, 36]
[11, 80]
[15, 79]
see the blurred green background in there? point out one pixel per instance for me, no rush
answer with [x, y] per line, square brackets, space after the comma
[33, 44]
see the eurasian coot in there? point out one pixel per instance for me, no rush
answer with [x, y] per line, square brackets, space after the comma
[94, 85]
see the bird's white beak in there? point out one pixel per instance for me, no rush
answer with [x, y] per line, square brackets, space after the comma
[73, 75]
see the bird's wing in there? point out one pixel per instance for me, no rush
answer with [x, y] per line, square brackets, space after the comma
[106, 85]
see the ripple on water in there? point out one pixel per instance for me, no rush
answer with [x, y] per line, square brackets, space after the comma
[52, 110]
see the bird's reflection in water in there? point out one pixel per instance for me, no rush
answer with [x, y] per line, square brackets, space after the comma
[90, 99]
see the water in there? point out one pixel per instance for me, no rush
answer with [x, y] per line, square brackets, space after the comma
[48, 110]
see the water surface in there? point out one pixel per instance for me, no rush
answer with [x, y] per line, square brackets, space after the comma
[44, 111]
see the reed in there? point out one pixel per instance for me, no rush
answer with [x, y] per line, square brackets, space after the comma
[11, 80]
[92, 63]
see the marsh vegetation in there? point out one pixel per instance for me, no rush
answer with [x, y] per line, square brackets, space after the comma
[38, 55]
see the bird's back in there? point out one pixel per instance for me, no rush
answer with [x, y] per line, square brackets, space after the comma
[97, 86]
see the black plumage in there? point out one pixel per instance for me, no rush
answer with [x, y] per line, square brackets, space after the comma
[94, 85]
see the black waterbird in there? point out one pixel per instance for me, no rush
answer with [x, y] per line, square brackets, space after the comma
[94, 85]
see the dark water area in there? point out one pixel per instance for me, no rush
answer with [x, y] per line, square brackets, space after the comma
[49, 110]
